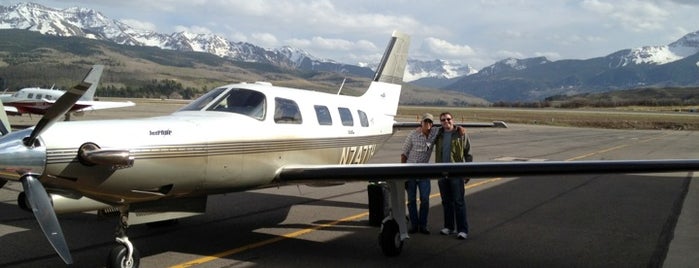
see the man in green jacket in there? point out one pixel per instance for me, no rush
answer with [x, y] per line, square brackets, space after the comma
[451, 147]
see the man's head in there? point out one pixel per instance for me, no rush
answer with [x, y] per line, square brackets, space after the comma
[426, 123]
[447, 121]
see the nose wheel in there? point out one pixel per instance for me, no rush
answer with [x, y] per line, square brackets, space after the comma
[124, 254]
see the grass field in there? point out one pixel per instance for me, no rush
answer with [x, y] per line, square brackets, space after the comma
[618, 118]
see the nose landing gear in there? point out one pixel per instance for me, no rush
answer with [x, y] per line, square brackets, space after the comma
[124, 254]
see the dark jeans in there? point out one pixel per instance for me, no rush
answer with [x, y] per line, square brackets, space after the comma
[453, 203]
[411, 186]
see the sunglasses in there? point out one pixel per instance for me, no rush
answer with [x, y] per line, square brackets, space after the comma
[445, 119]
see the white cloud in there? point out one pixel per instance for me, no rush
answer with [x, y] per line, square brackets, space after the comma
[597, 6]
[141, 25]
[193, 29]
[267, 40]
[633, 15]
[332, 44]
[502, 54]
[355, 30]
[444, 48]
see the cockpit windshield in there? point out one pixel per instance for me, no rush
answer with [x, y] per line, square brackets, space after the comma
[236, 100]
[203, 101]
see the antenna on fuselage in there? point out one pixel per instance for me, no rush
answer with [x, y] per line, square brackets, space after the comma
[341, 85]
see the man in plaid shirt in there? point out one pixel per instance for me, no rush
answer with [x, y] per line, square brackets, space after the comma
[417, 148]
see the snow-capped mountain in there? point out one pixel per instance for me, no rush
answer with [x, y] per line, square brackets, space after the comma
[676, 64]
[512, 64]
[509, 79]
[88, 23]
[436, 69]
[680, 49]
[91, 24]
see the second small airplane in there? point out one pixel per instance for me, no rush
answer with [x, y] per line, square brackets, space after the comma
[35, 100]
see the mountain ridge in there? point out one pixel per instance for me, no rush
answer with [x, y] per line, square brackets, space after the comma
[506, 80]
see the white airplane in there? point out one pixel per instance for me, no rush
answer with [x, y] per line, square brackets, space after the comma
[234, 138]
[35, 100]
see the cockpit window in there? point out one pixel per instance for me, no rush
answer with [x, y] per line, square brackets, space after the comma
[203, 101]
[237, 100]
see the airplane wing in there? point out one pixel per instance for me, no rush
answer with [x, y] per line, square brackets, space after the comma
[11, 110]
[99, 105]
[494, 124]
[380, 172]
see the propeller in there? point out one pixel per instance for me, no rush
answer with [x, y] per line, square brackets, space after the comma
[64, 103]
[36, 194]
[40, 204]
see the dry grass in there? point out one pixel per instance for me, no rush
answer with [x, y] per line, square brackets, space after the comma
[629, 118]
[598, 118]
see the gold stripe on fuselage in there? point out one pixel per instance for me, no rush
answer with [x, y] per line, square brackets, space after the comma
[67, 155]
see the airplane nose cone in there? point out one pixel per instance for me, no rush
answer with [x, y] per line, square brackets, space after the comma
[17, 159]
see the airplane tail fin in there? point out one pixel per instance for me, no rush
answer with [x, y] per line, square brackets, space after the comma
[386, 85]
[395, 58]
[94, 76]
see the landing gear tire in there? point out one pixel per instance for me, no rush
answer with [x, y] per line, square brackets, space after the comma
[117, 258]
[389, 239]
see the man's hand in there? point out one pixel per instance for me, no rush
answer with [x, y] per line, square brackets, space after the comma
[462, 131]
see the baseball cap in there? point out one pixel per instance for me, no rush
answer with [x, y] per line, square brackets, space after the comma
[427, 116]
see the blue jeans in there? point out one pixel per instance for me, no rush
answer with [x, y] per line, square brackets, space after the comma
[411, 186]
[453, 203]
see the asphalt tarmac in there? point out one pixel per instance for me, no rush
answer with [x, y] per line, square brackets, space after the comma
[619, 220]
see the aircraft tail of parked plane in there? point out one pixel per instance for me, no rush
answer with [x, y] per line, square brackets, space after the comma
[167, 166]
[37, 100]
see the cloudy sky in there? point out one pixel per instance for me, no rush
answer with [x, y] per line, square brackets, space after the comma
[475, 32]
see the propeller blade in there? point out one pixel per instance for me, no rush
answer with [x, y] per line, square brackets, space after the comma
[64, 103]
[5, 126]
[43, 211]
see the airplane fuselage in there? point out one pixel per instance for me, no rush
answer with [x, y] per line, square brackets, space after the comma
[195, 152]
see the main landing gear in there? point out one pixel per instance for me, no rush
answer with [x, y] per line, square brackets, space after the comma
[124, 254]
[394, 227]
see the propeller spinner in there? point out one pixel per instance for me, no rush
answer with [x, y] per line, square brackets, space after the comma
[22, 158]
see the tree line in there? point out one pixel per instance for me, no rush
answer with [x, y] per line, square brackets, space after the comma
[153, 89]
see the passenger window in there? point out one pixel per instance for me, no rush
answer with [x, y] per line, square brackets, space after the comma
[363, 119]
[31, 95]
[38, 96]
[286, 112]
[242, 101]
[346, 116]
[323, 115]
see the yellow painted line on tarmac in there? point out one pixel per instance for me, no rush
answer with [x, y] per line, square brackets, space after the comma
[295, 234]
[614, 148]
[267, 241]
[596, 152]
